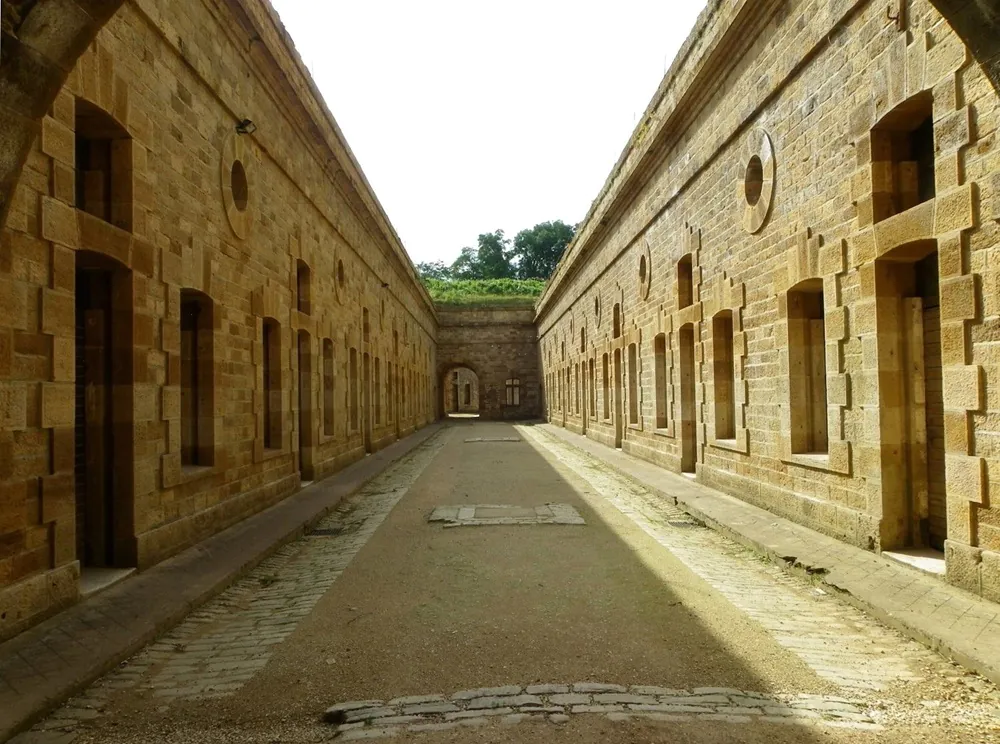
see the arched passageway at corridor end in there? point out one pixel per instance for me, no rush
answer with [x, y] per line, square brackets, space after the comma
[499, 347]
[459, 388]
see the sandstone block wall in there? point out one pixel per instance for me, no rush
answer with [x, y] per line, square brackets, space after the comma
[146, 232]
[788, 286]
[497, 345]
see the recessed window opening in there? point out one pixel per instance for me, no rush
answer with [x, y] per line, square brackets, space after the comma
[633, 385]
[388, 391]
[352, 390]
[616, 323]
[576, 389]
[303, 286]
[642, 269]
[724, 382]
[903, 158]
[605, 387]
[513, 385]
[807, 367]
[104, 185]
[660, 383]
[377, 391]
[272, 383]
[366, 330]
[328, 405]
[583, 340]
[197, 425]
[685, 282]
[593, 389]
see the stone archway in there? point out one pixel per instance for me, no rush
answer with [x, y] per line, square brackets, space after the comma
[459, 390]
[41, 42]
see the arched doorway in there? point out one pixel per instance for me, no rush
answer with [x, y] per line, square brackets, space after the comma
[460, 393]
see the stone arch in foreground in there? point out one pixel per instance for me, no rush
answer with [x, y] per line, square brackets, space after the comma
[41, 42]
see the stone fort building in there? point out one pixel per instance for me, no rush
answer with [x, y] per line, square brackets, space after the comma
[786, 289]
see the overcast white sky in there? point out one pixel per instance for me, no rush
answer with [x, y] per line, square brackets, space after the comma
[470, 116]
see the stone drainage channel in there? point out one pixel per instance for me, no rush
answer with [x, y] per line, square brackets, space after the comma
[368, 719]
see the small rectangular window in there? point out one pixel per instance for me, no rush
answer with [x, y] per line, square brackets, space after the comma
[352, 390]
[724, 382]
[513, 392]
[197, 390]
[660, 384]
[605, 385]
[303, 286]
[633, 385]
[902, 152]
[685, 282]
[377, 391]
[592, 388]
[328, 387]
[272, 383]
[807, 367]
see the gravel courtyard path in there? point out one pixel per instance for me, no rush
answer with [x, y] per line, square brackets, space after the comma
[551, 599]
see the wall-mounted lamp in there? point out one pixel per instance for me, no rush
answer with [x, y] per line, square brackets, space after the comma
[246, 127]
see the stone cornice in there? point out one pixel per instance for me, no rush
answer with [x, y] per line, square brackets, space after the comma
[715, 46]
[271, 45]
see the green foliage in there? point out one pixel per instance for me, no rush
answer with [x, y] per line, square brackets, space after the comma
[539, 249]
[496, 292]
[497, 273]
[433, 270]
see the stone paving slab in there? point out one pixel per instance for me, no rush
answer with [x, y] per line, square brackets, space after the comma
[47, 664]
[922, 606]
[484, 515]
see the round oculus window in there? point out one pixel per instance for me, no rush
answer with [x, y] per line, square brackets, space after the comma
[753, 181]
[239, 185]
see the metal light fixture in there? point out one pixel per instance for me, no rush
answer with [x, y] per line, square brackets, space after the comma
[246, 127]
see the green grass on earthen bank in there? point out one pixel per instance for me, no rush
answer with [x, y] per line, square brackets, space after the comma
[493, 292]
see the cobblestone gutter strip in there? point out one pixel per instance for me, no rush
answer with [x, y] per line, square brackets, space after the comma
[953, 622]
[555, 703]
[91, 638]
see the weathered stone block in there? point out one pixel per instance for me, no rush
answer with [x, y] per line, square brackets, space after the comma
[58, 404]
[963, 387]
[59, 223]
[58, 141]
[58, 314]
[958, 298]
[963, 564]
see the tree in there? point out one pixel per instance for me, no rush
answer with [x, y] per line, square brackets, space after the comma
[434, 270]
[495, 256]
[539, 249]
[466, 266]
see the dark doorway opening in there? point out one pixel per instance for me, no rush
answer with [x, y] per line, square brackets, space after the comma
[105, 534]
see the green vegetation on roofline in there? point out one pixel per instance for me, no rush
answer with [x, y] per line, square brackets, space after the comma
[495, 292]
